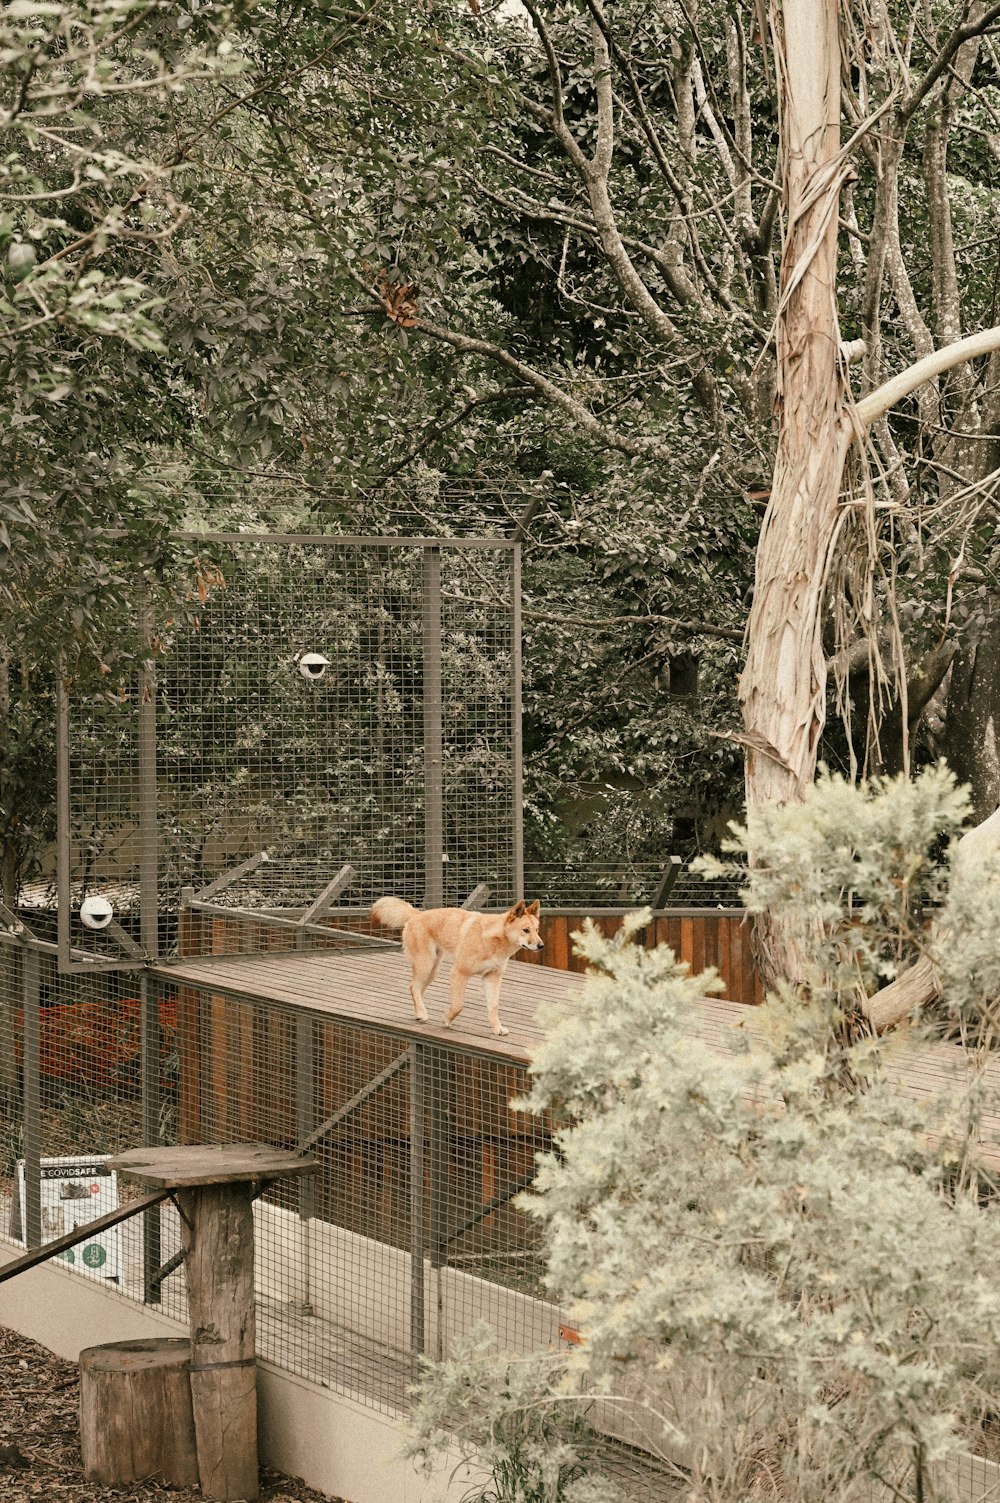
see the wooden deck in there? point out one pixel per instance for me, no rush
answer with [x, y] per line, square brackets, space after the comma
[372, 987]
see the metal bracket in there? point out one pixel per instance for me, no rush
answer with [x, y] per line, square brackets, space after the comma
[666, 886]
[332, 890]
[478, 897]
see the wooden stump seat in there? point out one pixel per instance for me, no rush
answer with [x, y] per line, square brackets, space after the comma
[215, 1185]
[136, 1418]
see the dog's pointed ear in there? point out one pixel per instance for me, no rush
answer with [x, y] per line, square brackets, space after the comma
[517, 909]
[534, 908]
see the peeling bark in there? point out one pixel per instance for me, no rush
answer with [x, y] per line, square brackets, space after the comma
[783, 685]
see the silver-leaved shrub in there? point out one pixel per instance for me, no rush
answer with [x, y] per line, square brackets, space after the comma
[784, 1268]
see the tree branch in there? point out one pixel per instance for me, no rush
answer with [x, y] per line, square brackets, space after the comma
[436, 428]
[959, 36]
[581, 415]
[890, 392]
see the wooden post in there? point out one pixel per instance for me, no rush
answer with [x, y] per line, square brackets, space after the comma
[216, 1186]
[135, 1411]
[217, 1236]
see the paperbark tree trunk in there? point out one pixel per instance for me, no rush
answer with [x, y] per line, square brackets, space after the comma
[783, 685]
[784, 680]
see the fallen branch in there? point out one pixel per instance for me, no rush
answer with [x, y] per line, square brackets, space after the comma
[921, 983]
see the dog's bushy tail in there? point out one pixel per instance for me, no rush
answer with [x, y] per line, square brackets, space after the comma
[392, 912]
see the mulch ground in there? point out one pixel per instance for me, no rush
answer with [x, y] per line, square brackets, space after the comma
[40, 1440]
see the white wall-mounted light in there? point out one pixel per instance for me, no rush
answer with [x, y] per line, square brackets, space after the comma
[312, 665]
[96, 913]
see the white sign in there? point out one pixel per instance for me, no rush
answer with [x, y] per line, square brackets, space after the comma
[74, 1191]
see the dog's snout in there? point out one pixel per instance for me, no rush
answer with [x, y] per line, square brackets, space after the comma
[540, 945]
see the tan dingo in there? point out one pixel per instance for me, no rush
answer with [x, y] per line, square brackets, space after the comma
[480, 944]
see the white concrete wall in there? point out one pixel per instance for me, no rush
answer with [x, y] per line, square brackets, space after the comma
[364, 1285]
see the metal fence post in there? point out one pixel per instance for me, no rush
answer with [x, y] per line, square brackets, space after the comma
[437, 1185]
[149, 938]
[433, 740]
[149, 1055]
[149, 904]
[63, 834]
[305, 1069]
[417, 1137]
[31, 1211]
[517, 750]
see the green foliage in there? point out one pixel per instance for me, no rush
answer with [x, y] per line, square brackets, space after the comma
[855, 873]
[531, 1439]
[774, 1257]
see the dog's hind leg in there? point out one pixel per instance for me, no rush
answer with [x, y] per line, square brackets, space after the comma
[491, 986]
[459, 981]
[425, 967]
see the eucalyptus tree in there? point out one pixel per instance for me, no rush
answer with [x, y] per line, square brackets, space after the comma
[646, 161]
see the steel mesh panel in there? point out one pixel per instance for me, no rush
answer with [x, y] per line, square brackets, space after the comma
[401, 1185]
[71, 1087]
[395, 755]
[253, 756]
[101, 846]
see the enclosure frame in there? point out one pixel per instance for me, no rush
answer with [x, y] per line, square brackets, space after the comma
[432, 549]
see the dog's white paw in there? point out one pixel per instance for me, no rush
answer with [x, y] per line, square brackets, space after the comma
[446, 1022]
[500, 1030]
[421, 1016]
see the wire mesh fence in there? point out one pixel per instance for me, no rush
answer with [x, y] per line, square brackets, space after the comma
[326, 703]
[409, 1236]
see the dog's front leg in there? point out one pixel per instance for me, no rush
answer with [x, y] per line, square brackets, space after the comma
[459, 981]
[491, 986]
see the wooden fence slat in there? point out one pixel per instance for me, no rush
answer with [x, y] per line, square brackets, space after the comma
[734, 980]
[724, 962]
[189, 1064]
[698, 946]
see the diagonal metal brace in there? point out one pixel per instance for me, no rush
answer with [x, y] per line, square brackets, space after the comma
[14, 925]
[357, 1100]
[488, 1209]
[667, 882]
[228, 878]
[332, 890]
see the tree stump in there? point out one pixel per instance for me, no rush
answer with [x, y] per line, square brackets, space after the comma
[216, 1185]
[136, 1418]
[219, 1271]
